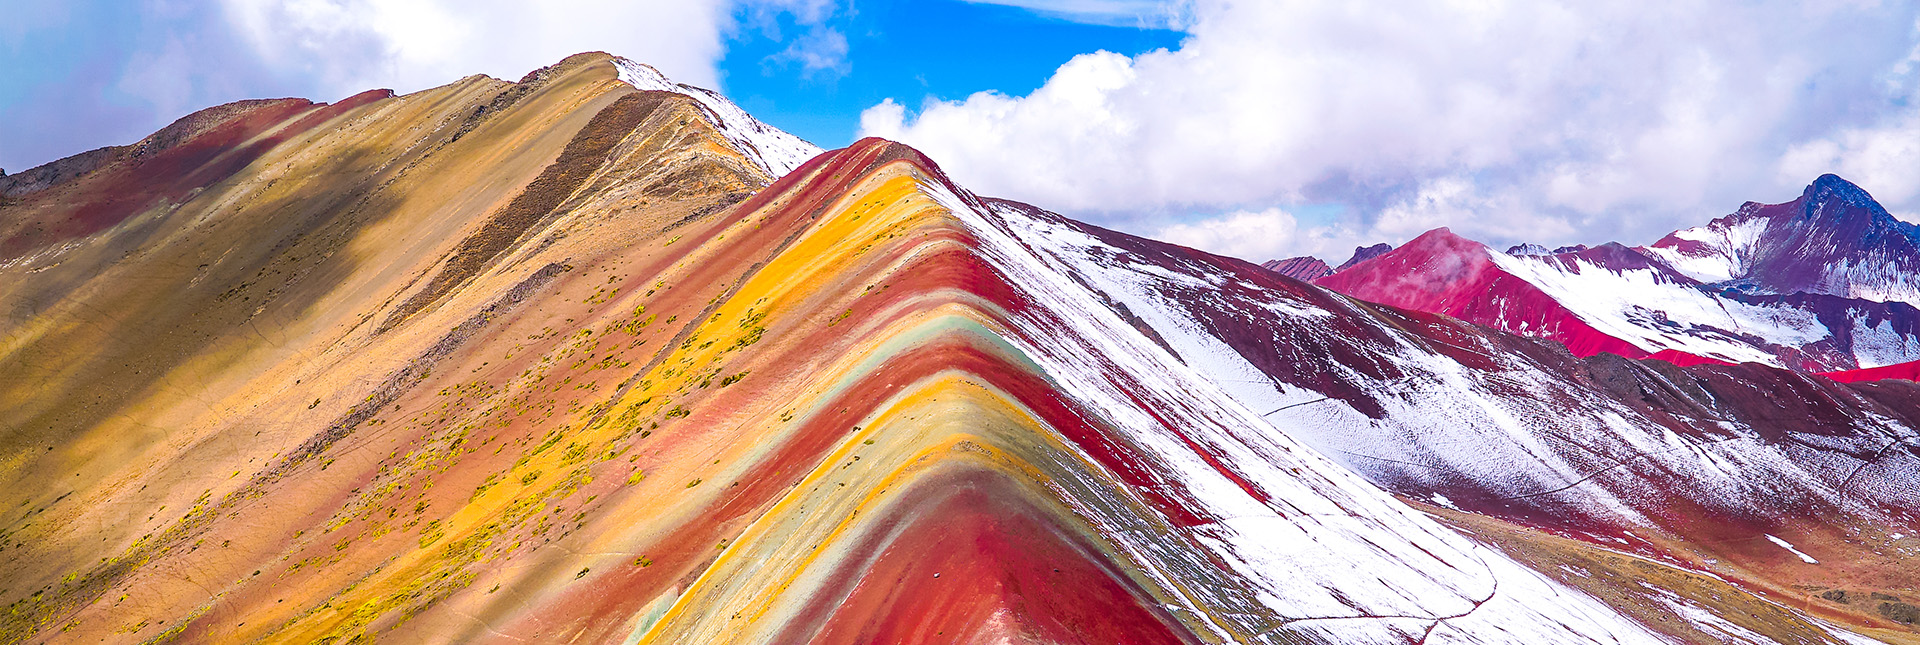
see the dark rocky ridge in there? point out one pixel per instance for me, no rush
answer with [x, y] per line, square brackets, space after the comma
[1364, 253]
[1304, 268]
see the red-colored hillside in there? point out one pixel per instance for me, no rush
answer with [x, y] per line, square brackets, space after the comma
[1440, 272]
[195, 152]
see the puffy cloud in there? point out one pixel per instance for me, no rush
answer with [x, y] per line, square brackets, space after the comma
[1506, 120]
[88, 73]
[348, 45]
[818, 49]
[1884, 159]
[1262, 235]
[823, 50]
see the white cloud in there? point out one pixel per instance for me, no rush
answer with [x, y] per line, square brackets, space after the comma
[1254, 235]
[1507, 120]
[818, 48]
[351, 45]
[155, 76]
[1258, 236]
[1884, 159]
[1125, 13]
[821, 50]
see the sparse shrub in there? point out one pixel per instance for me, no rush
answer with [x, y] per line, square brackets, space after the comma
[1900, 612]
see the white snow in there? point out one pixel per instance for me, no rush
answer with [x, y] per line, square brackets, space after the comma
[1845, 636]
[1880, 345]
[1706, 621]
[1729, 247]
[1517, 430]
[1641, 307]
[1727, 254]
[1876, 277]
[1789, 546]
[774, 150]
[1300, 551]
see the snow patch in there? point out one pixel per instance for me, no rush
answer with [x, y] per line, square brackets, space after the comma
[1642, 307]
[1320, 522]
[771, 148]
[1706, 621]
[1877, 277]
[1725, 252]
[1880, 344]
[1789, 546]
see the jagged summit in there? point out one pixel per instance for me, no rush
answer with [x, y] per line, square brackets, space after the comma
[1832, 240]
[1831, 186]
[1364, 253]
[1306, 268]
[1823, 283]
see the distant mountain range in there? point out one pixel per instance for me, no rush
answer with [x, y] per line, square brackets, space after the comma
[1825, 283]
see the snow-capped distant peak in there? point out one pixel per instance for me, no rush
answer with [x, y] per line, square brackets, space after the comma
[773, 149]
[1834, 240]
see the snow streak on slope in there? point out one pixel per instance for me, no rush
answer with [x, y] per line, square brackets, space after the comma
[1293, 523]
[1444, 409]
[1644, 308]
[773, 149]
[1834, 240]
[1507, 428]
[1718, 251]
[1880, 344]
[1619, 300]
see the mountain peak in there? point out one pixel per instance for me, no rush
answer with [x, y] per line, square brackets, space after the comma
[1833, 185]
[774, 150]
[1364, 253]
[1528, 248]
[1830, 187]
[1440, 236]
[1305, 268]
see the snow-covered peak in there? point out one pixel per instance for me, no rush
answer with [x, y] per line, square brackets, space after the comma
[1722, 250]
[773, 149]
[1834, 240]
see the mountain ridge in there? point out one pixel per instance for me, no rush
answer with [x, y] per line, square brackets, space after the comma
[1698, 295]
[565, 360]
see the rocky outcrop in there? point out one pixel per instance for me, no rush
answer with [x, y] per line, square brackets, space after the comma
[1305, 269]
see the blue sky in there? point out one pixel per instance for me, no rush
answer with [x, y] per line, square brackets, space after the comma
[944, 49]
[1256, 129]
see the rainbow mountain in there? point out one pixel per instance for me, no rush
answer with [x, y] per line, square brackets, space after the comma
[598, 357]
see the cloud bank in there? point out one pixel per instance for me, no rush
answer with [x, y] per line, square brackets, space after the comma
[1506, 120]
[91, 73]
[416, 44]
